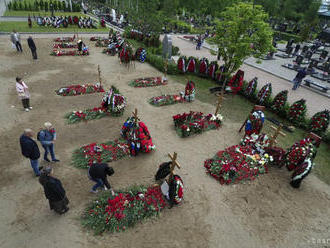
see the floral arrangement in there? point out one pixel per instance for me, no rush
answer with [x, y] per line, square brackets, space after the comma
[102, 152]
[77, 89]
[102, 43]
[141, 54]
[137, 136]
[126, 54]
[236, 82]
[264, 93]
[165, 100]
[65, 39]
[320, 122]
[69, 53]
[297, 111]
[148, 82]
[240, 162]
[182, 64]
[251, 88]
[113, 103]
[203, 65]
[124, 210]
[191, 66]
[298, 153]
[279, 101]
[213, 67]
[96, 38]
[195, 122]
[65, 45]
[254, 123]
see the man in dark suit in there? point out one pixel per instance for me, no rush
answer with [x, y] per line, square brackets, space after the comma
[32, 46]
[30, 150]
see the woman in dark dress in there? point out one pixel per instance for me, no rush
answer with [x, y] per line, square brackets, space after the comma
[54, 191]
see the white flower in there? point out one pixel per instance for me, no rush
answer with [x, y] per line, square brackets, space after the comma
[219, 117]
[80, 112]
[188, 129]
[141, 195]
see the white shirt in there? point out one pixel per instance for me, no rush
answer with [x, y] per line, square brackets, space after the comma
[22, 90]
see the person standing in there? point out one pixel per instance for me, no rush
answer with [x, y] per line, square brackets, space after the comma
[98, 173]
[54, 191]
[16, 40]
[47, 138]
[23, 93]
[33, 47]
[30, 150]
[299, 77]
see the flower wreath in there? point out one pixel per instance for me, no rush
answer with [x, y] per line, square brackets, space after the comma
[176, 189]
[203, 65]
[265, 93]
[279, 101]
[255, 123]
[320, 122]
[191, 65]
[251, 88]
[182, 63]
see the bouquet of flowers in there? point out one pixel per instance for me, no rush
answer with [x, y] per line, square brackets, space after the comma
[113, 103]
[100, 153]
[69, 53]
[195, 122]
[148, 82]
[320, 122]
[165, 100]
[65, 39]
[298, 153]
[240, 162]
[65, 45]
[297, 111]
[125, 209]
[74, 90]
[264, 93]
[279, 101]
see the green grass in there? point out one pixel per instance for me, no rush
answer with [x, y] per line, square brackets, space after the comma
[236, 108]
[23, 27]
[41, 13]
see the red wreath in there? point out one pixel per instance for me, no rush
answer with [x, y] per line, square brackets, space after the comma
[236, 82]
[211, 70]
[181, 65]
[75, 20]
[191, 65]
[203, 67]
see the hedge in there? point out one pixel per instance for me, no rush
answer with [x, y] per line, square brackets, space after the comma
[287, 36]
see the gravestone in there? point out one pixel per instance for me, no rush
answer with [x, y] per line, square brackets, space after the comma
[39, 20]
[289, 50]
[304, 49]
[167, 47]
[113, 13]
[299, 59]
[313, 63]
[296, 49]
[308, 55]
[327, 67]
[324, 54]
[290, 43]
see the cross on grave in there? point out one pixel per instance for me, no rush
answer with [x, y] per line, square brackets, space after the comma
[255, 108]
[277, 132]
[99, 74]
[220, 99]
[135, 116]
[173, 163]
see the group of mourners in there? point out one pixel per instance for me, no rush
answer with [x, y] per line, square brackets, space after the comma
[15, 39]
[53, 188]
[64, 21]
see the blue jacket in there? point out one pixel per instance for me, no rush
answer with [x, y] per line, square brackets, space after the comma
[29, 147]
[46, 137]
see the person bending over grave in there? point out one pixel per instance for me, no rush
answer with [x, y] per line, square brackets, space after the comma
[81, 46]
[98, 173]
[299, 77]
[54, 191]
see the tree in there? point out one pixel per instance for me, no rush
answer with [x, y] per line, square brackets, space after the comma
[241, 33]
[46, 5]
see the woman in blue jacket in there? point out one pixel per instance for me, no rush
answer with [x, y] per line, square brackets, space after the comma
[47, 137]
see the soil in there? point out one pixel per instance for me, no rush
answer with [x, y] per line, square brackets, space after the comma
[266, 212]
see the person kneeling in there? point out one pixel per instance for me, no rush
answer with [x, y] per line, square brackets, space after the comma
[54, 191]
[98, 173]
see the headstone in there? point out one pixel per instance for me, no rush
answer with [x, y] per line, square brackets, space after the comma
[290, 43]
[113, 13]
[121, 20]
[326, 67]
[299, 59]
[308, 55]
[313, 63]
[324, 54]
[39, 20]
[304, 49]
[296, 49]
[289, 50]
[167, 47]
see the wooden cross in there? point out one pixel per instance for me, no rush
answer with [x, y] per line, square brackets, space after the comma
[135, 116]
[255, 108]
[277, 132]
[99, 73]
[173, 163]
[220, 99]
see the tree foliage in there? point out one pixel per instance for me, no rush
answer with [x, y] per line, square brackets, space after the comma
[241, 33]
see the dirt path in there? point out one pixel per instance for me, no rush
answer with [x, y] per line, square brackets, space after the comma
[262, 213]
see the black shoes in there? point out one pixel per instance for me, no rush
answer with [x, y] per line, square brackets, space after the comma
[46, 159]
[56, 160]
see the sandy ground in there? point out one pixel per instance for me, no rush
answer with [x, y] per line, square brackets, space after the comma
[264, 213]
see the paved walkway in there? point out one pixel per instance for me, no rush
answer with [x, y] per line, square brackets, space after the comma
[315, 102]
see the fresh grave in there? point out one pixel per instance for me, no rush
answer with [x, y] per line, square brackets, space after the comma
[113, 103]
[136, 138]
[77, 89]
[187, 96]
[148, 82]
[58, 53]
[64, 45]
[135, 204]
